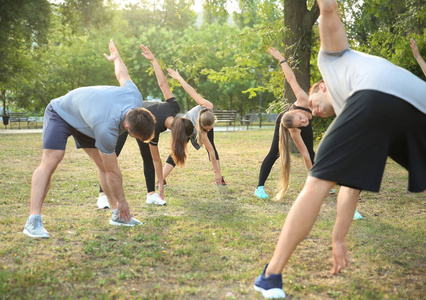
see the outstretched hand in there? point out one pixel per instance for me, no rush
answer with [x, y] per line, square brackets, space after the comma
[113, 52]
[340, 257]
[174, 74]
[414, 47]
[147, 53]
[276, 54]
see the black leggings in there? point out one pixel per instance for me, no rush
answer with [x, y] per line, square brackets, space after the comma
[210, 135]
[274, 152]
[148, 164]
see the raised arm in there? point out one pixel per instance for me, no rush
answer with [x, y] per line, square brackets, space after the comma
[120, 68]
[332, 32]
[417, 56]
[161, 79]
[289, 76]
[190, 90]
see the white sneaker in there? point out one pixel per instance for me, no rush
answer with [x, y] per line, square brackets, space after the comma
[103, 202]
[155, 199]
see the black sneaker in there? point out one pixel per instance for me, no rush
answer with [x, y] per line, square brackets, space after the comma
[271, 287]
[158, 184]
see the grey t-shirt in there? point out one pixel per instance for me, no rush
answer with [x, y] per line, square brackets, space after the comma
[350, 71]
[192, 115]
[98, 111]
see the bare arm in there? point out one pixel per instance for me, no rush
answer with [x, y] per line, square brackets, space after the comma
[115, 184]
[190, 90]
[215, 163]
[346, 205]
[417, 56]
[158, 166]
[332, 32]
[120, 68]
[301, 95]
[161, 79]
[300, 144]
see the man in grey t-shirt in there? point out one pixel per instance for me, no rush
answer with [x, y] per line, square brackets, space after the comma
[95, 116]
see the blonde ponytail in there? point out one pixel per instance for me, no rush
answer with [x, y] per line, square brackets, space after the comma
[284, 147]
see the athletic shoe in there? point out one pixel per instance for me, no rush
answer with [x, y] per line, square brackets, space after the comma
[222, 182]
[271, 287]
[357, 215]
[260, 192]
[103, 202]
[158, 184]
[332, 192]
[115, 220]
[34, 227]
[155, 199]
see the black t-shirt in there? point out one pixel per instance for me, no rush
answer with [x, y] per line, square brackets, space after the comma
[161, 111]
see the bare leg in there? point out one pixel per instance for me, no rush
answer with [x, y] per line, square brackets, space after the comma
[94, 154]
[40, 182]
[168, 168]
[299, 222]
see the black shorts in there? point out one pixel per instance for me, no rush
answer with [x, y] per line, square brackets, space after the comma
[372, 126]
[56, 132]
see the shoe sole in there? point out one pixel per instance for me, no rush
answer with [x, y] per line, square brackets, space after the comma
[271, 293]
[111, 222]
[35, 236]
[156, 203]
[261, 197]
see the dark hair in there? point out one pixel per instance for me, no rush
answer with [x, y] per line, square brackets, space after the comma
[315, 87]
[141, 123]
[182, 129]
[205, 118]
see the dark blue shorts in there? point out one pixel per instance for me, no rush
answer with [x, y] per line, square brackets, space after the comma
[56, 132]
[371, 127]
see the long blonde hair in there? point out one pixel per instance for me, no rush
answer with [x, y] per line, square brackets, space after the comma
[205, 118]
[284, 147]
[182, 129]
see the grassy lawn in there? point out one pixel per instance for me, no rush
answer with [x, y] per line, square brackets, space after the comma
[208, 242]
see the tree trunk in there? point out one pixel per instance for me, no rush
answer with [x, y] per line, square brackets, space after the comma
[297, 40]
[3, 96]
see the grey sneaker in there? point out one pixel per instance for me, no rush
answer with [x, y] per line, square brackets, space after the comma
[115, 220]
[34, 227]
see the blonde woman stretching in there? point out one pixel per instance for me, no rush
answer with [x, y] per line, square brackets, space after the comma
[295, 121]
[203, 118]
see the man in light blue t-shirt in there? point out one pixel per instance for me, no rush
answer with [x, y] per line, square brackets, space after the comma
[95, 116]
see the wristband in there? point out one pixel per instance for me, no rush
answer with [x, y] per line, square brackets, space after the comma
[283, 61]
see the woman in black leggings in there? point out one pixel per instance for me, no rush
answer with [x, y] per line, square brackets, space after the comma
[295, 121]
[203, 118]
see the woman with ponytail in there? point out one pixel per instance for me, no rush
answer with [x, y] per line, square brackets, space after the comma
[295, 121]
[203, 119]
[165, 115]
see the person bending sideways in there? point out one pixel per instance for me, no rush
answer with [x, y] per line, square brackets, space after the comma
[381, 112]
[95, 116]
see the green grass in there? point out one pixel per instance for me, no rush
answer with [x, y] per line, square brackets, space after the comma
[207, 243]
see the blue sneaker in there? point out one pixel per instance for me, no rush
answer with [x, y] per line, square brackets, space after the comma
[357, 215]
[260, 192]
[271, 287]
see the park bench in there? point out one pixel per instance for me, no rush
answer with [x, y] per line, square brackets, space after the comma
[18, 118]
[226, 116]
[247, 120]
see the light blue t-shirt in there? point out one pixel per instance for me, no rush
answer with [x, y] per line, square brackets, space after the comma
[98, 111]
[349, 71]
